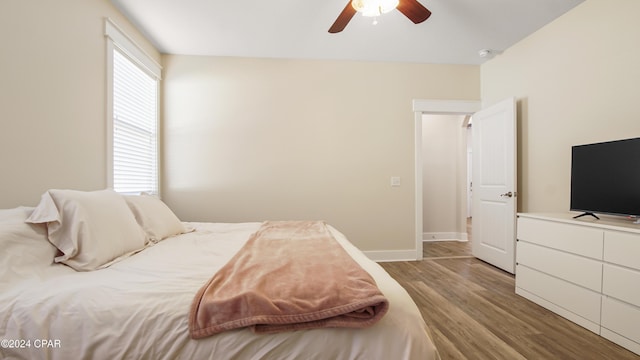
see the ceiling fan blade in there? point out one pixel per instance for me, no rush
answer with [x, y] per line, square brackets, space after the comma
[343, 19]
[414, 10]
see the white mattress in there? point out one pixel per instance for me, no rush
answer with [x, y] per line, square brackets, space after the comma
[138, 309]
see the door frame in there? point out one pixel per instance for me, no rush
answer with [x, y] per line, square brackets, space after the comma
[432, 107]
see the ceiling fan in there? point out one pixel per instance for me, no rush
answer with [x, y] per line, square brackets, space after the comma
[410, 8]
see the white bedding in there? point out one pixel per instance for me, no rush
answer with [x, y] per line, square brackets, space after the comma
[138, 309]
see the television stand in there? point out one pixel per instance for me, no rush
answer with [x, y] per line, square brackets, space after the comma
[585, 214]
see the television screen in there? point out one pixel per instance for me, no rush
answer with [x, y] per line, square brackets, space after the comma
[605, 177]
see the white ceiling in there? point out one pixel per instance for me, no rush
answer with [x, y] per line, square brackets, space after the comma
[454, 34]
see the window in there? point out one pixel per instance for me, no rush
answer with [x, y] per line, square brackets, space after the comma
[135, 135]
[132, 115]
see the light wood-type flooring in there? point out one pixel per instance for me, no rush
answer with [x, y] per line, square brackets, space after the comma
[474, 313]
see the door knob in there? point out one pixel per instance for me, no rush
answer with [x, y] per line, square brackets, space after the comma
[507, 194]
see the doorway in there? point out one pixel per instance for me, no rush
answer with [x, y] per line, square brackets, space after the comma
[431, 107]
[446, 150]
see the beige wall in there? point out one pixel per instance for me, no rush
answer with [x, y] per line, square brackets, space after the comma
[255, 139]
[52, 96]
[577, 82]
[444, 147]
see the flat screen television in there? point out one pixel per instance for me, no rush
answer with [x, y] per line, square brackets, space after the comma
[605, 178]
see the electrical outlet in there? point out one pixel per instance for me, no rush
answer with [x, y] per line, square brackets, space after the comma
[395, 181]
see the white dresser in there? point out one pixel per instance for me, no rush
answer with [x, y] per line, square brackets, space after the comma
[585, 270]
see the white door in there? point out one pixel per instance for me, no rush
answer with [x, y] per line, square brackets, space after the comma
[494, 184]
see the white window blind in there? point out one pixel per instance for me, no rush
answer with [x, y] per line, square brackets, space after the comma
[135, 127]
[133, 79]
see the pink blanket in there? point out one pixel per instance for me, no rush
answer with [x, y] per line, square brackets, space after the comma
[290, 275]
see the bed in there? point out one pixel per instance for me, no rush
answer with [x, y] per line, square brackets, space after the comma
[135, 303]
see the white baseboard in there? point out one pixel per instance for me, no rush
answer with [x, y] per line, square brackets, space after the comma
[392, 255]
[444, 236]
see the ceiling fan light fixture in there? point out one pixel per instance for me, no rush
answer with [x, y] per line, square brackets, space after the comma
[374, 7]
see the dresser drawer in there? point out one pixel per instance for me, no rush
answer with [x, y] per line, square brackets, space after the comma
[581, 240]
[622, 248]
[575, 269]
[578, 300]
[621, 283]
[621, 318]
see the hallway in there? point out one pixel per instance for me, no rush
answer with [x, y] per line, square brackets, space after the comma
[448, 249]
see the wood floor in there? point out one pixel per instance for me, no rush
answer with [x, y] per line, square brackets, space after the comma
[473, 312]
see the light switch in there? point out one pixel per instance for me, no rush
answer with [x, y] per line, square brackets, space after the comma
[395, 181]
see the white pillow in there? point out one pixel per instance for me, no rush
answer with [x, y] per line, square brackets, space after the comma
[155, 217]
[91, 229]
[23, 247]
